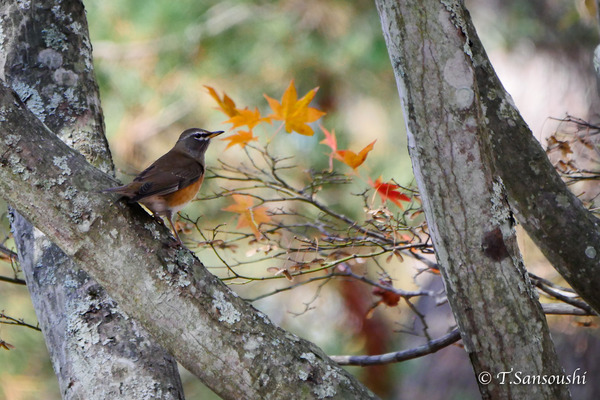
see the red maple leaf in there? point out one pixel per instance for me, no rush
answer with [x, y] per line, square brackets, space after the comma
[389, 190]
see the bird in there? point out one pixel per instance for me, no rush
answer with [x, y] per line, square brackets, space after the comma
[172, 181]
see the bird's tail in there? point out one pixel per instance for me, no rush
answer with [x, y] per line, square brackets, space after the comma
[115, 189]
[122, 190]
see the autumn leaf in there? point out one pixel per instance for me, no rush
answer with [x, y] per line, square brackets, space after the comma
[241, 138]
[352, 159]
[330, 139]
[248, 118]
[389, 190]
[295, 113]
[226, 105]
[563, 146]
[332, 143]
[281, 271]
[250, 215]
[434, 270]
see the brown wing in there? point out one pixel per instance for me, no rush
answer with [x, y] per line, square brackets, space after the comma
[171, 172]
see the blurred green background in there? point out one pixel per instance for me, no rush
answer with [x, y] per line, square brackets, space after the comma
[152, 62]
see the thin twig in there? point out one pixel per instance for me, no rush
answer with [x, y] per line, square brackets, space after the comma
[11, 254]
[563, 309]
[546, 287]
[433, 346]
[398, 356]
[403, 293]
[16, 281]
[15, 321]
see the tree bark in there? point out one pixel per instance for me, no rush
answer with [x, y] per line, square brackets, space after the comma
[501, 322]
[234, 349]
[96, 350]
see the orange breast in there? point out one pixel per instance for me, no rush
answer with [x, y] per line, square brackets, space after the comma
[177, 200]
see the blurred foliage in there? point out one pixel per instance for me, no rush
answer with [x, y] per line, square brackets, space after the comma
[153, 59]
[26, 372]
[555, 25]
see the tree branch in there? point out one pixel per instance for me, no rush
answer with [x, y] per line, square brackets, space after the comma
[13, 280]
[547, 288]
[399, 356]
[11, 254]
[433, 346]
[234, 349]
[14, 321]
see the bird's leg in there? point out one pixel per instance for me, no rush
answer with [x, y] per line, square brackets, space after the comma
[158, 218]
[169, 216]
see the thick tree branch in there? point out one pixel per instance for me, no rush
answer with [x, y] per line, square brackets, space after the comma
[233, 348]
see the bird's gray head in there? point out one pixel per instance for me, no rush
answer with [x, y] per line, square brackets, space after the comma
[195, 141]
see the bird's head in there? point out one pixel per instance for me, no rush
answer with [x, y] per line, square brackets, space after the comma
[195, 141]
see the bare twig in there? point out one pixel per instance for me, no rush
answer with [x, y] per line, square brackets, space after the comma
[402, 293]
[433, 346]
[8, 320]
[16, 281]
[398, 356]
[563, 309]
[560, 294]
[8, 252]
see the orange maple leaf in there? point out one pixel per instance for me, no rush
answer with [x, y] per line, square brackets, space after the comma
[242, 138]
[389, 190]
[296, 113]
[227, 105]
[250, 215]
[247, 117]
[331, 142]
[352, 159]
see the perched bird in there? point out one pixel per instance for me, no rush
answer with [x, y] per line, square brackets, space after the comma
[166, 186]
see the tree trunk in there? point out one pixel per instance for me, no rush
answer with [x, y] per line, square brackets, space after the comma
[501, 322]
[96, 350]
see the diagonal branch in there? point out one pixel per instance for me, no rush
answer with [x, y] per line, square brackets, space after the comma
[234, 349]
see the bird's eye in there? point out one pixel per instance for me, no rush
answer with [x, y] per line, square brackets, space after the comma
[198, 136]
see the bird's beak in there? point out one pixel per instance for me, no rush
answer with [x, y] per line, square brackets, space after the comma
[215, 133]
